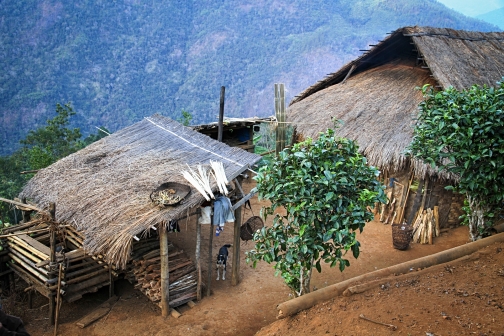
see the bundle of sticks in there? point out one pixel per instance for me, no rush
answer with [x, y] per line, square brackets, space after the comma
[426, 226]
[146, 272]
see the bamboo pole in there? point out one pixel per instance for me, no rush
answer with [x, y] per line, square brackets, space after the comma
[198, 261]
[31, 249]
[32, 258]
[58, 299]
[28, 267]
[165, 281]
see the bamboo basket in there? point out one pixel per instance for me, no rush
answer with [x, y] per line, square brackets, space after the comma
[248, 228]
[401, 236]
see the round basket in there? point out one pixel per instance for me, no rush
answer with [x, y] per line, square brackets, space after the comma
[401, 236]
[179, 189]
[248, 228]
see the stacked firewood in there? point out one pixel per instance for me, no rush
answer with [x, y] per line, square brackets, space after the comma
[426, 226]
[146, 272]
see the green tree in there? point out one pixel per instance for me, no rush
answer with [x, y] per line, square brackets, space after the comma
[186, 118]
[462, 132]
[325, 186]
[41, 147]
[48, 144]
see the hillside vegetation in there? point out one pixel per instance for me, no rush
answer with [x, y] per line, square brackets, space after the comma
[119, 61]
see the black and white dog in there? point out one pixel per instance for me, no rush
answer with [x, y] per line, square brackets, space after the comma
[221, 261]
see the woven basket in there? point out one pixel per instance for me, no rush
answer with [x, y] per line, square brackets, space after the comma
[401, 236]
[248, 228]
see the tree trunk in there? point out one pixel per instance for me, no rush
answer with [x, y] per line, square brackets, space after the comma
[476, 218]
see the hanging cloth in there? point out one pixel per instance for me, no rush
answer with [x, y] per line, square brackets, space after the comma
[223, 211]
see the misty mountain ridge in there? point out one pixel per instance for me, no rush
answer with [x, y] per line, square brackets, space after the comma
[118, 62]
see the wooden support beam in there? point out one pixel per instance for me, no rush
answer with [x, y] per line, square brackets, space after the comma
[235, 266]
[58, 298]
[27, 206]
[198, 260]
[244, 199]
[51, 275]
[26, 214]
[221, 114]
[165, 282]
[210, 261]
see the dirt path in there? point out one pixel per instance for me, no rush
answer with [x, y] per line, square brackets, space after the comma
[239, 310]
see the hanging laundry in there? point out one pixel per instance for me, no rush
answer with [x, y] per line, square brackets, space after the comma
[223, 211]
[206, 215]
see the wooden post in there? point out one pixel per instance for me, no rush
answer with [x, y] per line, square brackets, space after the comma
[165, 281]
[280, 116]
[416, 202]
[282, 113]
[52, 273]
[210, 261]
[235, 267]
[426, 192]
[221, 114]
[26, 214]
[198, 248]
[58, 298]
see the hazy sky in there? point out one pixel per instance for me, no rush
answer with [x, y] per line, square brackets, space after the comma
[473, 7]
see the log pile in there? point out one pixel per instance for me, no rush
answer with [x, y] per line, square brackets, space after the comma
[426, 226]
[145, 273]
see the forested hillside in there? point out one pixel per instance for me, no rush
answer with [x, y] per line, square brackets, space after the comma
[118, 61]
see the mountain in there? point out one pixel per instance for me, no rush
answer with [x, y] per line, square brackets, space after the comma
[496, 17]
[119, 61]
[473, 8]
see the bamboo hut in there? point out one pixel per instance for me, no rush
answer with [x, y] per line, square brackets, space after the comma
[102, 196]
[375, 97]
[237, 132]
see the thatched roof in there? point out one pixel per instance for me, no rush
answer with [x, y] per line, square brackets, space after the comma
[103, 190]
[375, 94]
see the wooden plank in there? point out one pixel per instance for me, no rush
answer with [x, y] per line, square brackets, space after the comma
[77, 287]
[36, 244]
[98, 313]
[16, 240]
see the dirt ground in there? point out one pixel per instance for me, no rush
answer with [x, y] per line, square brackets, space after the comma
[460, 299]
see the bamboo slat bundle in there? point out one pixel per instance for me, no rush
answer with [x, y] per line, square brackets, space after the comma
[425, 227]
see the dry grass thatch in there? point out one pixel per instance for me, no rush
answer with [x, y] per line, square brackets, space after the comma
[103, 190]
[375, 94]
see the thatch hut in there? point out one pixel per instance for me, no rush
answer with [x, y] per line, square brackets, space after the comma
[375, 98]
[102, 192]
